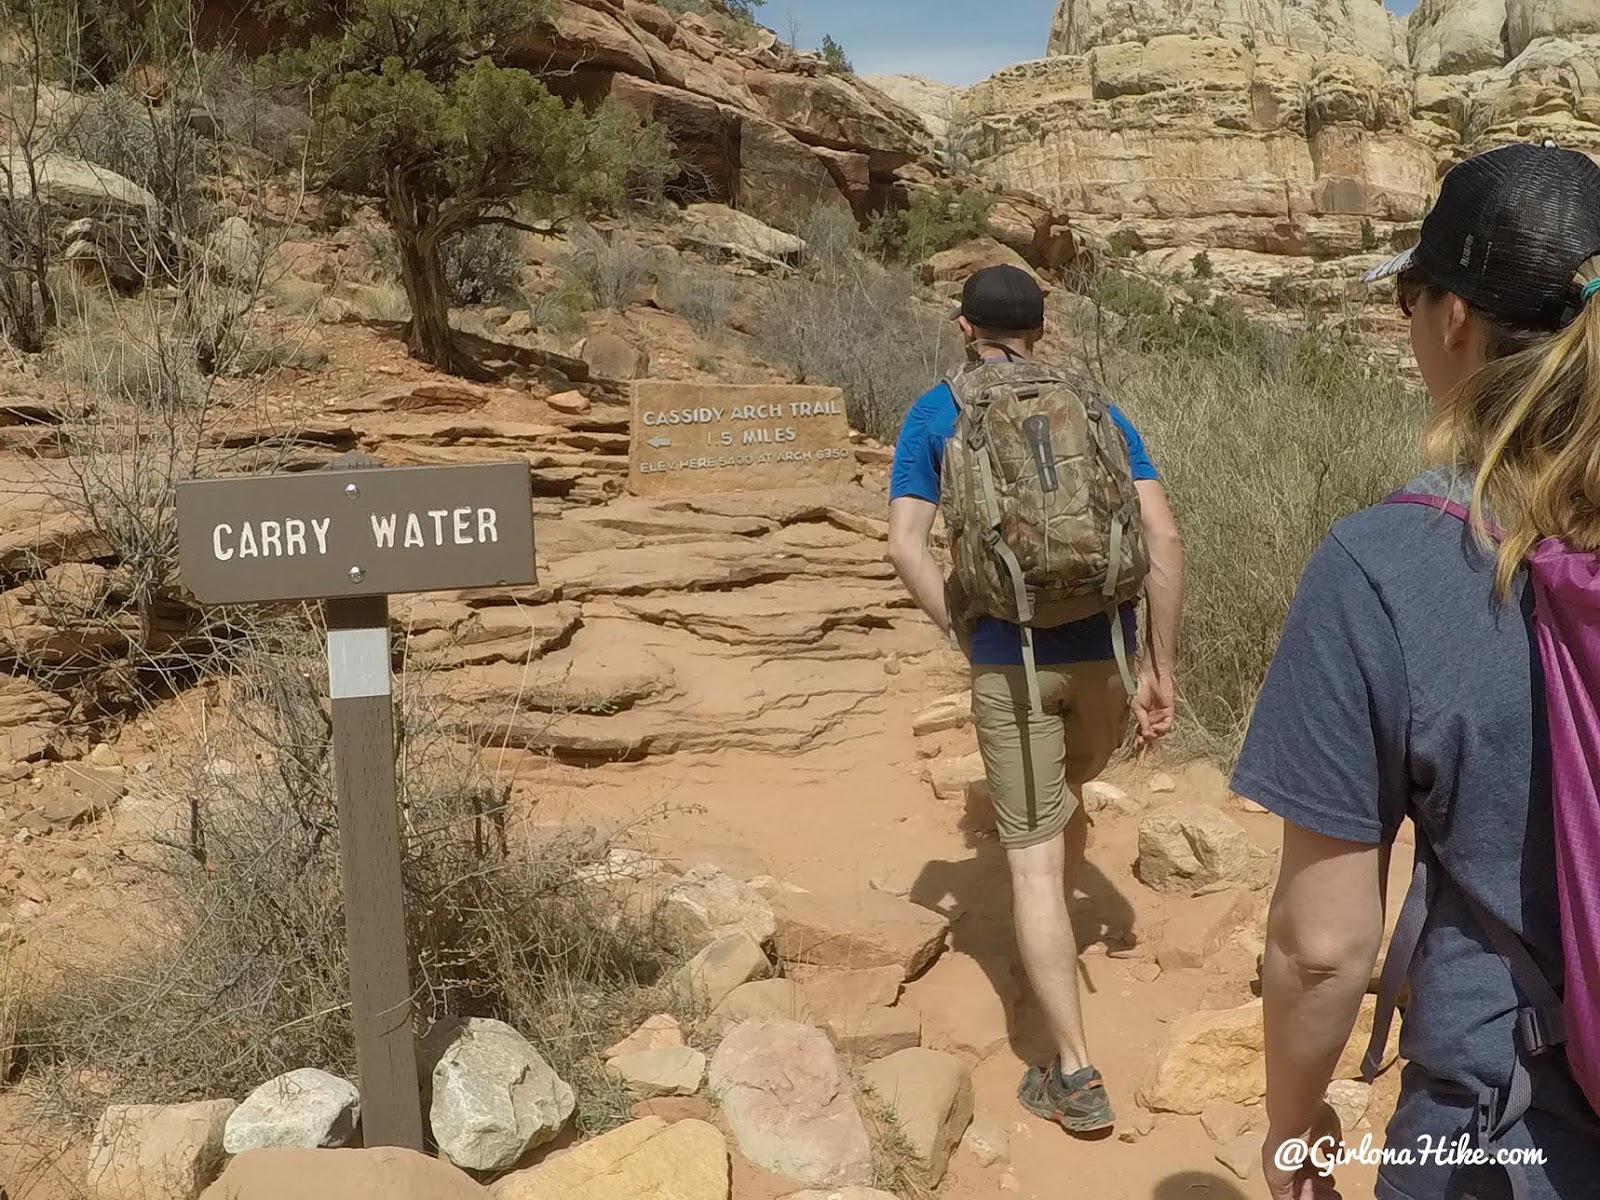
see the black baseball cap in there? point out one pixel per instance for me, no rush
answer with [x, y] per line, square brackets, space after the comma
[1509, 231]
[1003, 298]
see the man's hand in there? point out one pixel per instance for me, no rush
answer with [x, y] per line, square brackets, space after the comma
[1307, 1147]
[1153, 704]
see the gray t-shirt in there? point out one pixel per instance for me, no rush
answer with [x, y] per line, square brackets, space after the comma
[1402, 688]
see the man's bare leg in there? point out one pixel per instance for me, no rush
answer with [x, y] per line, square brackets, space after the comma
[1044, 936]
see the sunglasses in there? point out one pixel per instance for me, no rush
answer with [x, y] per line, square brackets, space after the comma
[1408, 288]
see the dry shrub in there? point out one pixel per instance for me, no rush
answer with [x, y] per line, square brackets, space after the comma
[382, 302]
[13, 984]
[704, 298]
[860, 327]
[611, 271]
[253, 978]
[1263, 438]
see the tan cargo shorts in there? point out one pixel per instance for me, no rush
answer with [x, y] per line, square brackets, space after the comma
[1037, 764]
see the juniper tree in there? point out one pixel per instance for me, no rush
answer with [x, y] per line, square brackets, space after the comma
[419, 114]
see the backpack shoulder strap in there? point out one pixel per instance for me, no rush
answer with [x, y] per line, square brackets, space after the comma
[1441, 504]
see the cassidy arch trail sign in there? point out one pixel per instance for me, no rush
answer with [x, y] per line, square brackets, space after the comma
[693, 438]
[351, 536]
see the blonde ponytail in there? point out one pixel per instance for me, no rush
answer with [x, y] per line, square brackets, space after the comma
[1528, 426]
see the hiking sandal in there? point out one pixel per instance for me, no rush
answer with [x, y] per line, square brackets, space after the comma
[1077, 1102]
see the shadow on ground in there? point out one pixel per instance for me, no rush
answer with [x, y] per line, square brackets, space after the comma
[1196, 1185]
[977, 890]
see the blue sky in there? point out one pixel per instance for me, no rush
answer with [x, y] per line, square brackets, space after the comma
[936, 38]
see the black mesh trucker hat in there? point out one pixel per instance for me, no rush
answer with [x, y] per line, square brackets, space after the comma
[1509, 231]
[1003, 298]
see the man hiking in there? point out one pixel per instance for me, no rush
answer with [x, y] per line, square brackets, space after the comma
[1057, 524]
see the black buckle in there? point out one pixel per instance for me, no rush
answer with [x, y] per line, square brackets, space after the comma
[1483, 1115]
[1540, 1030]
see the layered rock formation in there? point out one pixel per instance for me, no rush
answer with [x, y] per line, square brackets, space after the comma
[1362, 27]
[760, 126]
[1275, 135]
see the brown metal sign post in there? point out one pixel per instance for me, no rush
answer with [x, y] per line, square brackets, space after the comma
[352, 540]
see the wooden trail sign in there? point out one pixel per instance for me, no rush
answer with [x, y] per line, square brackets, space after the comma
[693, 438]
[326, 535]
[351, 536]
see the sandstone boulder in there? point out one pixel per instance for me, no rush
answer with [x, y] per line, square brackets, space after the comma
[1242, 1156]
[956, 264]
[1220, 1054]
[1455, 37]
[706, 904]
[1209, 1055]
[858, 930]
[574, 403]
[385, 1171]
[955, 778]
[707, 979]
[826, 110]
[235, 250]
[574, 34]
[1192, 846]
[949, 712]
[1224, 1120]
[660, 1032]
[841, 995]
[789, 1105]
[646, 1159]
[1196, 930]
[780, 179]
[308, 1108]
[930, 1094]
[143, 1150]
[80, 188]
[494, 1097]
[612, 357]
[988, 1140]
[777, 999]
[1529, 20]
[720, 226]
[1349, 1099]
[849, 1193]
[671, 1071]
[875, 1033]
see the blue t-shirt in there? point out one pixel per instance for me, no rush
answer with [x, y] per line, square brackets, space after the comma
[918, 459]
[1401, 688]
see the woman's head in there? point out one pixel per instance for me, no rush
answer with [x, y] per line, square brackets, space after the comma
[1503, 295]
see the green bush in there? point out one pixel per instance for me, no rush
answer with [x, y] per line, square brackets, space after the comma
[483, 265]
[833, 54]
[933, 221]
[1202, 266]
[1123, 244]
[416, 113]
[167, 157]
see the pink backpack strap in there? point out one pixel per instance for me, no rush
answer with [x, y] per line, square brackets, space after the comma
[1439, 503]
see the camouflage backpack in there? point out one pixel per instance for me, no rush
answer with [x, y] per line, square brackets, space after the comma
[1040, 506]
